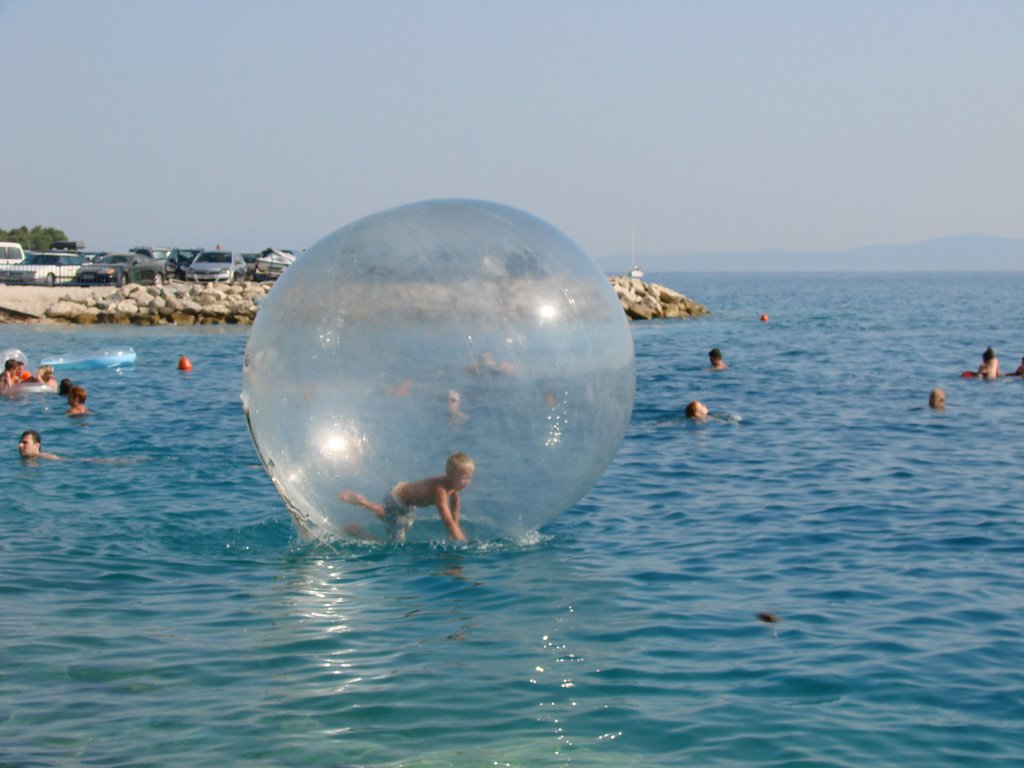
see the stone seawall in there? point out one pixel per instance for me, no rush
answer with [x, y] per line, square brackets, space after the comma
[191, 304]
[169, 304]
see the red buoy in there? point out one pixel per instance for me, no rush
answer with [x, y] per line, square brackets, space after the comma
[184, 364]
[764, 318]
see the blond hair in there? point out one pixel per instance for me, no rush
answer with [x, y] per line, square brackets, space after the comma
[458, 461]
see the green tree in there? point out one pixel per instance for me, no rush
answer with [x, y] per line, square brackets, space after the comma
[36, 239]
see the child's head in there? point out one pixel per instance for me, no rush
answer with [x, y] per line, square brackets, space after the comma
[46, 373]
[76, 395]
[715, 355]
[65, 387]
[937, 398]
[459, 469]
[988, 354]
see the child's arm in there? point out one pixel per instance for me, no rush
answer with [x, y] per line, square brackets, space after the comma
[455, 504]
[449, 517]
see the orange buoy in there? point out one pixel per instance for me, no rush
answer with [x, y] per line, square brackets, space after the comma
[764, 318]
[184, 364]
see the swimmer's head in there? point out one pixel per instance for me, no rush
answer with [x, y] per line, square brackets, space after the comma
[715, 355]
[937, 398]
[459, 469]
[695, 409]
[30, 444]
[988, 354]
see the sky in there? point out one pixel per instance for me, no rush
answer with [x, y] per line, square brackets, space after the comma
[691, 127]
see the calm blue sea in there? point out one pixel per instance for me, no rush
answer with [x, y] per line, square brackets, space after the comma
[158, 609]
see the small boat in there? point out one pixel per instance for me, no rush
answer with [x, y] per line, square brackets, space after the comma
[635, 270]
[103, 358]
[272, 262]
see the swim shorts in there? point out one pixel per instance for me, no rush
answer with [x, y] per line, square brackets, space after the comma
[398, 516]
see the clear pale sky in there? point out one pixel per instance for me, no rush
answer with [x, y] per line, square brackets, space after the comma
[703, 126]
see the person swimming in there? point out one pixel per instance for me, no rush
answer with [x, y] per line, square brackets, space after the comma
[715, 358]
[695, 409]
[30, 446]
[989, 368]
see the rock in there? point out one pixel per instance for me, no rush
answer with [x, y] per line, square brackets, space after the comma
[64, 309]
[647, 301]
[209, 298]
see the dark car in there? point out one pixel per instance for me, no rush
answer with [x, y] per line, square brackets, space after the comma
[121, 268]
[179, 261]
[161, 252]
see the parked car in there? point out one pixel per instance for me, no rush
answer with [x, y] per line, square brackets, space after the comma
[179, 261]
[11, 253]
[161, 252]
[250, 264]
[43, 269]
[216, 265]
[121, 268]
[272, 262]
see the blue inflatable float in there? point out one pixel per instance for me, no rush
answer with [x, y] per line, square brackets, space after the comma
[104, 358]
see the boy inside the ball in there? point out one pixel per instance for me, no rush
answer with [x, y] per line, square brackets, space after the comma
[398, 509]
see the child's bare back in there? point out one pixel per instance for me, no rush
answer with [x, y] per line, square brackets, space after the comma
[423, 493]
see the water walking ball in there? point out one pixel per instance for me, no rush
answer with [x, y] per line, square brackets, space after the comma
[13, 354]
[441, 326]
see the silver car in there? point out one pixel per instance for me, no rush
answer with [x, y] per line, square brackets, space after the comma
[209, 266]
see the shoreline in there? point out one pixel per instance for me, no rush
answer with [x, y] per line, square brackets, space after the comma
[180, 303]
[174, 303]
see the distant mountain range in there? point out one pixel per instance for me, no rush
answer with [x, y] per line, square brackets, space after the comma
[966, 253]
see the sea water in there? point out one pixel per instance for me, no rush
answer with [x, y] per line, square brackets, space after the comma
[158, 609]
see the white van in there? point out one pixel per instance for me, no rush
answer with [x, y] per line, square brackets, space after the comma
[11, 253]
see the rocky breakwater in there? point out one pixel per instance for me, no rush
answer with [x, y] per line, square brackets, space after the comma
[169, 304]
[191, 304]
[647, 301]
